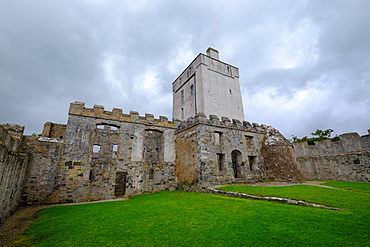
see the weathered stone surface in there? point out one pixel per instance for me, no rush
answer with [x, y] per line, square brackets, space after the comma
[13, 166]
[347, 159]
[213, 152]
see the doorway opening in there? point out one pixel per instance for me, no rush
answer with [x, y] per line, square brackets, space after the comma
[120, 188]
[236, 158]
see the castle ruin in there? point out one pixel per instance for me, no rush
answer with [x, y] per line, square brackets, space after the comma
[103, 154]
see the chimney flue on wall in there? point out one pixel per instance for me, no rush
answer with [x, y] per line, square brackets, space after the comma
[213, 53]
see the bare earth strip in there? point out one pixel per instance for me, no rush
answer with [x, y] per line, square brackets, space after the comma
[23, 218]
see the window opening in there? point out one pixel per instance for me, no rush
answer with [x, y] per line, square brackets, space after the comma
[115, 147]
[192, 89]
[252, 162]
[151, 173]
[182, 113]
[182, 96]
[218, 140]
[96, 149]
[91, 175]
[249, 141]
[220, 161]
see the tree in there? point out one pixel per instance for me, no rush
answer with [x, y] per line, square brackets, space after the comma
[318, 135]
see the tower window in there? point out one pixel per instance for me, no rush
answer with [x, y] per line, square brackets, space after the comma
[231, 92]
[192, 89]
[182, 96]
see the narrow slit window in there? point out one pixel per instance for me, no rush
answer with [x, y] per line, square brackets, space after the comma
[151, 173]
[91, 175]
[115, 148]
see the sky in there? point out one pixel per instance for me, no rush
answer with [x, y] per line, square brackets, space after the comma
[304, 65]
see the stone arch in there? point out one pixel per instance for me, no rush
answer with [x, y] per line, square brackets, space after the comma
[236, 159]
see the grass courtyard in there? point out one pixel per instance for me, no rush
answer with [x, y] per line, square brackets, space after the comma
[194, 219]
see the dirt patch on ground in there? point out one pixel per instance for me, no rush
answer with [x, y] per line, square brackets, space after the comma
[23, 218]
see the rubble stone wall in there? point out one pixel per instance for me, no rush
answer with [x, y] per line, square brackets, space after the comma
[102, 147]
[44, 159]
[213, 151]
[13, 166]
[346, 160]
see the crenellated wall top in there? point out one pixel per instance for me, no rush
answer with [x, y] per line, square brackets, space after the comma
[78, 108]
[224, 122]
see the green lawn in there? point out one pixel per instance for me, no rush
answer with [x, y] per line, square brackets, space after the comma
[194, 219]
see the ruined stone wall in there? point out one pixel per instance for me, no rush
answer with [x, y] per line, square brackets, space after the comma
[44, 159]
[13, 166]
[210, 151]
[280, 163]
[53, 130]
[104, 151]
[347, 159]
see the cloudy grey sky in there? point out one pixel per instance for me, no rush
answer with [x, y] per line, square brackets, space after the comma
[304, 64]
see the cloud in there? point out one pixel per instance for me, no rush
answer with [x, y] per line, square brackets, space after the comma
[304, 64]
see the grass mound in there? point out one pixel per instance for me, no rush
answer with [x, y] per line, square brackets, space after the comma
[193, 219]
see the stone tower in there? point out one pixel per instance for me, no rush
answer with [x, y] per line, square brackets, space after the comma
[208, 86]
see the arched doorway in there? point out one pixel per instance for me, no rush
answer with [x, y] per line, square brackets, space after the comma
[236, 158]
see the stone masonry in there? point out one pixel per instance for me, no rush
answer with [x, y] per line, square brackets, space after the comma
[13, 164]
[347, 159]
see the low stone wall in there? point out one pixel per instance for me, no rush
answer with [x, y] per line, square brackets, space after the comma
[12, 168]
[266, 198]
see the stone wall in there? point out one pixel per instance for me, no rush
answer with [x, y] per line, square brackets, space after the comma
[280, 163]
[211, 152]
[107, 154]
[44, 159]
[13, 166]
[347, 159]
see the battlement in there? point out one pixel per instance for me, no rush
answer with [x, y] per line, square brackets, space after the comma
[223, 123]
[79, 109]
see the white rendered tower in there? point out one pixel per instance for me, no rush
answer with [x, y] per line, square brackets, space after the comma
[210, 86]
